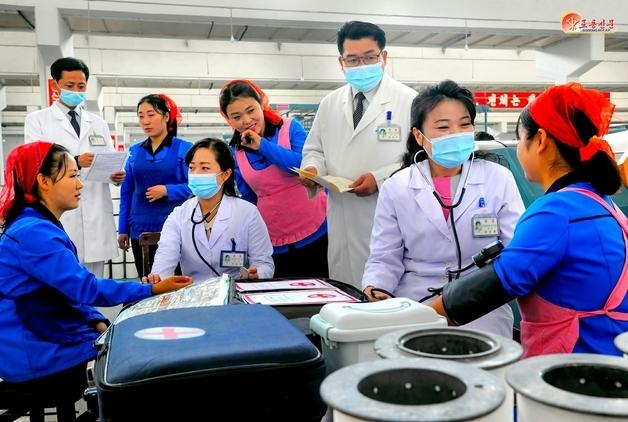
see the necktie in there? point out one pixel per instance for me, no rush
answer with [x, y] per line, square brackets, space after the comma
[75, 123]
[359, 109]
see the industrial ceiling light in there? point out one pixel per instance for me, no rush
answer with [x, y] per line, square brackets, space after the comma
[466, 33]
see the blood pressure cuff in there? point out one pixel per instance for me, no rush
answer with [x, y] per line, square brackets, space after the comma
[473, 296]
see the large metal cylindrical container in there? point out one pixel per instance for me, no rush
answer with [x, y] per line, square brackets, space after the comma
[484, 350]
[570, 388]
[417, 390]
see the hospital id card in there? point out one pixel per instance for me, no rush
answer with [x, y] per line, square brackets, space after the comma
[485, 225]
[232, 259]
[96, 141]
[389, 133]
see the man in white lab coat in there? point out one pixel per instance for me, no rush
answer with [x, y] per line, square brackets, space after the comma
[359, 134]
[91, 226]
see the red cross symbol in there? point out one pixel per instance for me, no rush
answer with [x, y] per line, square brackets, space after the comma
[303, 283]
[169, 333]
[321, 296]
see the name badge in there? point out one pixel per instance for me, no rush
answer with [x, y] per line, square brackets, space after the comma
[485, 225]
[96, 141]
[389, 133]
[232, 259]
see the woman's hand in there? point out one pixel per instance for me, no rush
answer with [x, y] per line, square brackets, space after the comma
[171, 283]
[151, 278]
[123, 241]
[375, 296]
[251, 139]
[101, 327]
[253, 273]
[156, 192]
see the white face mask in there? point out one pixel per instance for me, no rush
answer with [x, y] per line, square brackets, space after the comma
[204, 186]
[364, 78]
[72, 98]
[452, 150]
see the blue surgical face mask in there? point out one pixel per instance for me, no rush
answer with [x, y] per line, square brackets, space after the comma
[72, 98]
[364, 78]
[204, 186]
[450, 151]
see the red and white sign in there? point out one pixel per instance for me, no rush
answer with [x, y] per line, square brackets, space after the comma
[169, 333]
[509, 99]
[512, 99]
[299, 297]
[53, 92]
[259, 286]
[575, 23]
[118, 145]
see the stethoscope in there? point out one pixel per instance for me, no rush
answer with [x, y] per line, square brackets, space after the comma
[194, 224]
[435, 291]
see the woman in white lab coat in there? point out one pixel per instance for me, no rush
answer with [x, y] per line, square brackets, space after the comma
[214, 232]
[445, 205]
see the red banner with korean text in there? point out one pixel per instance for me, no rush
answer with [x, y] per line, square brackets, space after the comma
[53, 93]
[508, 99]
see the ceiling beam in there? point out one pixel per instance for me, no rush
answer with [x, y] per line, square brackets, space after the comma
[507, 40]
[454, 40]
[479, 40]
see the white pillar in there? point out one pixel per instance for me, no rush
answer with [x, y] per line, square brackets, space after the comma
[3, 105]
[54, 41]
[94, 102]
[569, 59]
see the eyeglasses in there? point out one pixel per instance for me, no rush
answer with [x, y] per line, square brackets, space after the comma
[356, 60]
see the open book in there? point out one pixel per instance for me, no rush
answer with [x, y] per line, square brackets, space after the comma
[333, 183]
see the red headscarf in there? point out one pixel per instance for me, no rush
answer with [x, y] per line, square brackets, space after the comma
[554, 109]
[23, 164]
[174, 112]
[269, 114]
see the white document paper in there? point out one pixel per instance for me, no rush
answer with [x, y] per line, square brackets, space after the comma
[299, 297]
[305, 284]
[333, 183]
[104, 165]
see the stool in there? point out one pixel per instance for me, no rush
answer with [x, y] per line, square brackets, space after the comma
[147, 239]
[61, 391]
[21, 400]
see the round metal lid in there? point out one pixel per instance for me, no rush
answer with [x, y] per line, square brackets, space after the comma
[413, 390]
[583, 383]
[478, 348]
[621, 342]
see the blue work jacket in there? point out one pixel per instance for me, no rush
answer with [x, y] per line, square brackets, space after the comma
[47, 296]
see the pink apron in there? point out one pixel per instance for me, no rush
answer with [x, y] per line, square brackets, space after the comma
[282, 201]
[548, 328]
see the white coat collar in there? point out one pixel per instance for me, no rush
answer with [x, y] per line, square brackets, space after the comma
[424, 196]
[476, 175]
[221, 223]
[86, 119]
[59, 114]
